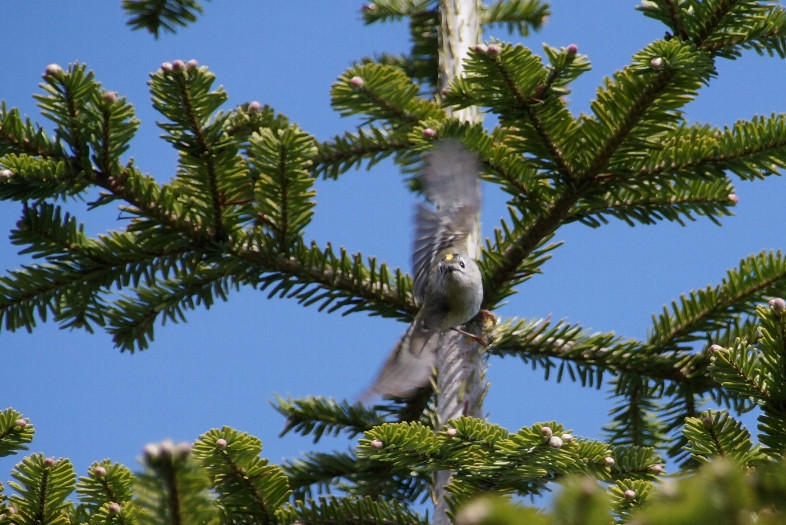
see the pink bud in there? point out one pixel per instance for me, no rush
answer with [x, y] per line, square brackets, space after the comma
[494, 50]
[777, 304]
[21, 423]
[656, 63]
[254, 106]
[451, 432]
[99, 471]
[707, 421]
[715, 348]
[178, 64]
[49, 462]
[555, 442]
[357, 82]
[656, 469]
[546, 431]
[377, 444]
[181, 450]
[166, 447]
[429, 133]
[52, 70]
[567, 438]
[166, 66]
[733, 198]
[192, 64]
[115, 508]
[369, 7]
[151, 451]
[629, 494]
[573, 49]
[481, 48]
[609, 461]
[110, 96]
[221, 443]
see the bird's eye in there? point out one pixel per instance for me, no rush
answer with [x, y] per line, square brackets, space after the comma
[461, 263]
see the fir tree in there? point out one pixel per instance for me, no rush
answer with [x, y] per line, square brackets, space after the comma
[234, 216]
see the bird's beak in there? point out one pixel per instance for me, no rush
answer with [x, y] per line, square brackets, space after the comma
[445, 267]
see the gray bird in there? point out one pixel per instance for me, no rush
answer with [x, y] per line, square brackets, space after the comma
[447, 282]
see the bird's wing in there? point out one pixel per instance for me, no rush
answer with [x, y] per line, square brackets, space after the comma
[409, 365]
[451, 181]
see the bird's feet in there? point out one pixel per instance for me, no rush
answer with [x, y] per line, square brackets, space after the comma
[486, 321]
[474, 337]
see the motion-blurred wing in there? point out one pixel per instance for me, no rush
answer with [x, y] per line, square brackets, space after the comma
[451, 181]
[407, 370]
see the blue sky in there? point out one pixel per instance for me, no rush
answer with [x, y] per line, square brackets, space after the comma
[89, 402]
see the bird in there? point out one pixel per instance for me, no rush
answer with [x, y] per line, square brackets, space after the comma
[447, 282]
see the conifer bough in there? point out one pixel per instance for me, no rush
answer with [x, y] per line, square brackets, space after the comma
[235, 214]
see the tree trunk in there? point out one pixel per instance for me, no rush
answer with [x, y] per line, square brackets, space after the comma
[461, 382]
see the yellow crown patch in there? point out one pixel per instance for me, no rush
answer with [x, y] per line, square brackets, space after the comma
[449, 257]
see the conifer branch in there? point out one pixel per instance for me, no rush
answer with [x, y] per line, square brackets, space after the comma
[42, 486]
[677, 402]
[181, 92]
[392, 10]
[156, 205]
[676, 200]
[249, 489]
[754, 149]
[513, 83]
[714, 434]
[350, 511]
[316, 276]
[758, 277]
[155, 15]
[107, 490]
[493, 459]
[664, 356]
[738, 370]
[637, 108]
[117, 126]
[345, 152]
[751, 150]
[539, 342]
[279, 163]
[317, 416]
[384, 93]
[516, 178]
[521, 16]
[711, 19]
[174, 485]
[669, 12]
[69, 103]
[63, 291]
[25, 137]
[326, 472]
[520, 246]
[131, 319]
[80, 271]
[15, 432]
[633, 420]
